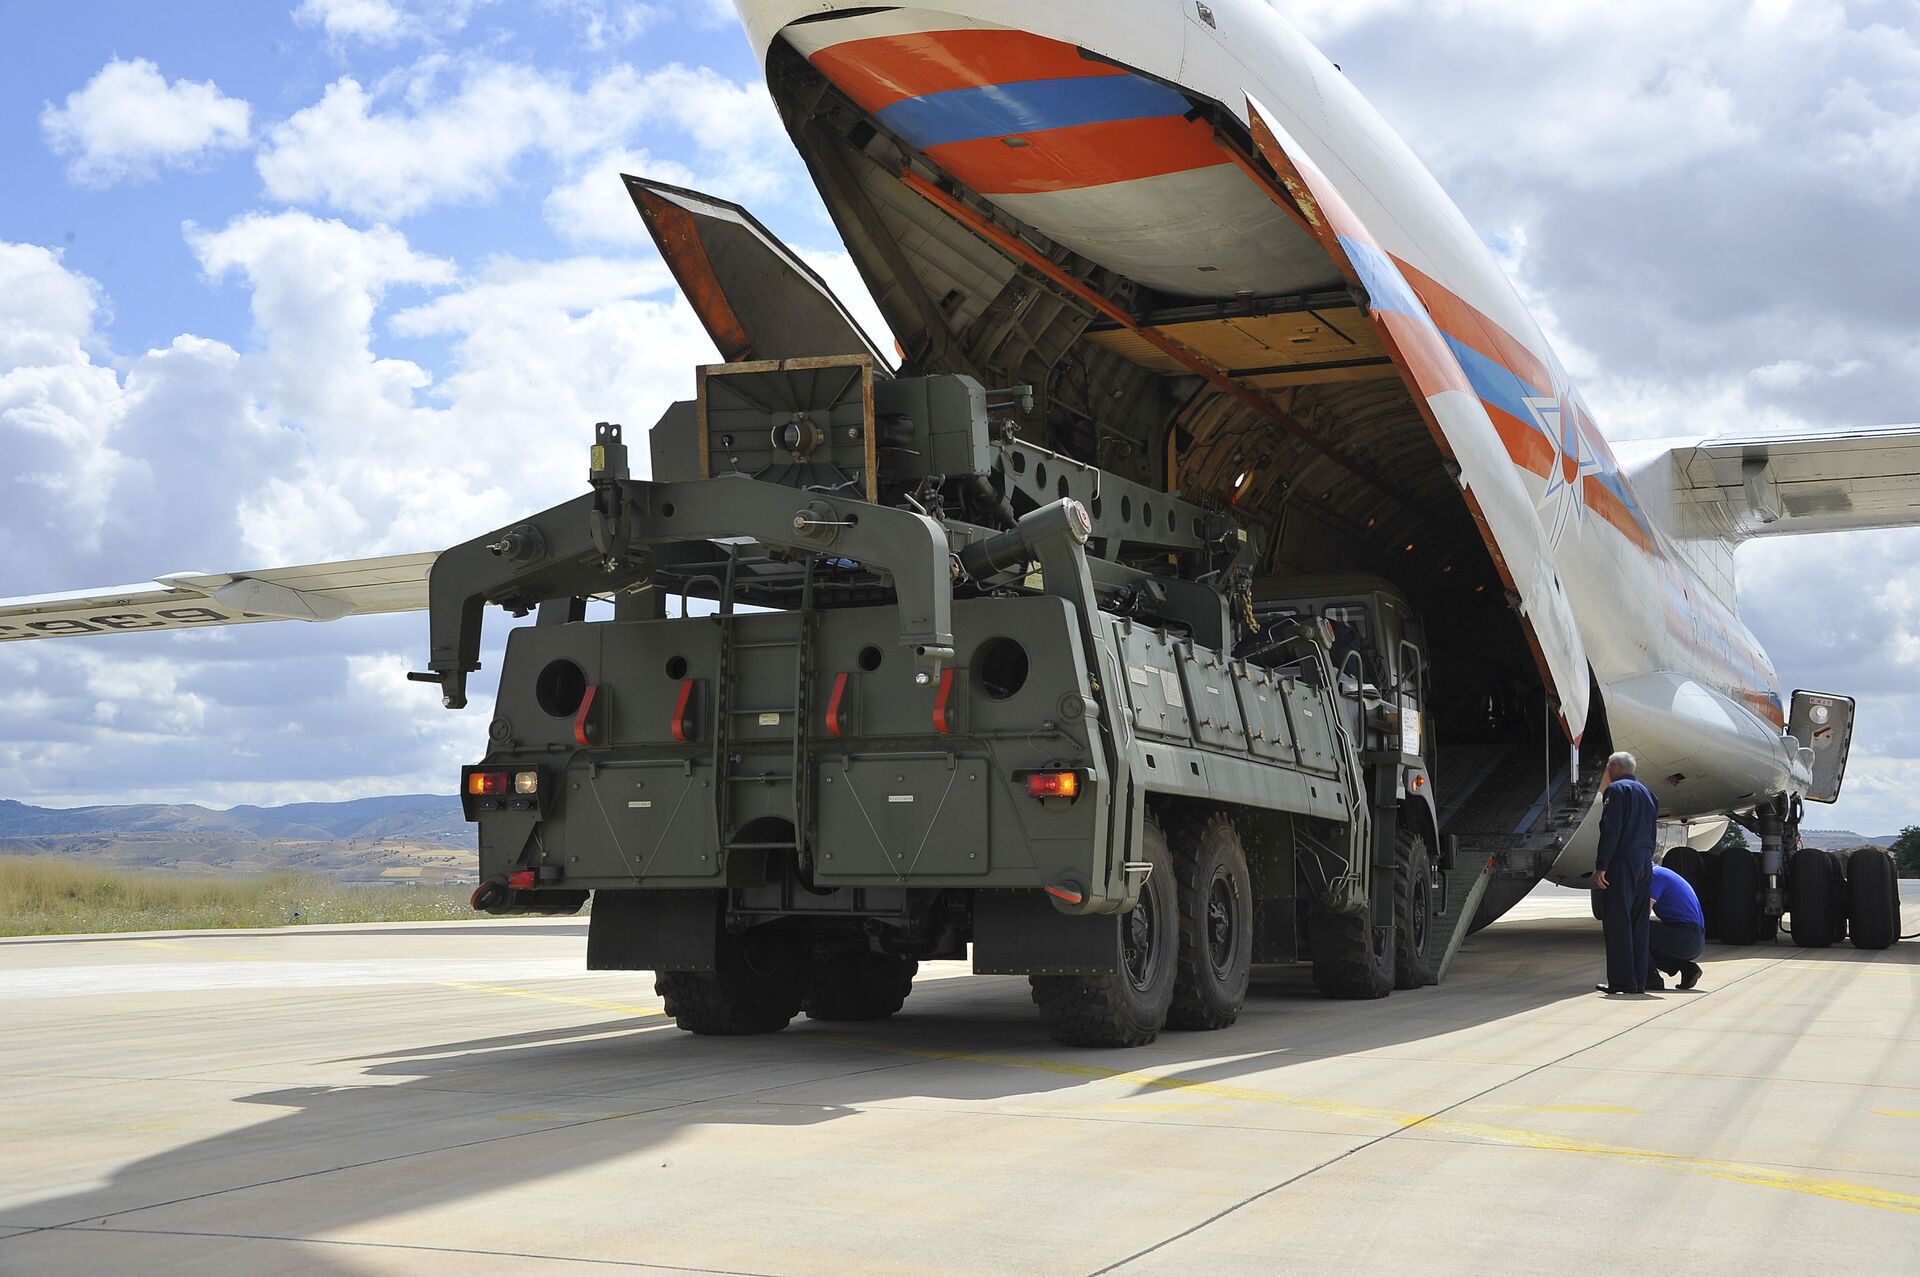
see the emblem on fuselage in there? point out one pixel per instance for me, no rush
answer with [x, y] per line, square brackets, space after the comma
[1563, 501]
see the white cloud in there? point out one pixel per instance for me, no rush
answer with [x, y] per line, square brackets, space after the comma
[370, 21]
[396, 149]
[128, 122]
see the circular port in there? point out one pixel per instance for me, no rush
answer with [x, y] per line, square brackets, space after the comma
[560, 689]
[870, 658]
[999, 668]
[676, 668]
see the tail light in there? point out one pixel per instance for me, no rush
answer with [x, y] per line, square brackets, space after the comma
[488, 784]
[1053, 784]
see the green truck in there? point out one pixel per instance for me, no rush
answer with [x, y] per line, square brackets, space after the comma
[882, 683]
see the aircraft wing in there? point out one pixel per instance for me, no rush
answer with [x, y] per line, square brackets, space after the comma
[192, 600]
[1773, 485]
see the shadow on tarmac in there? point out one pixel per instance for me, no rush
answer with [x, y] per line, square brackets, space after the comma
[580, 1095]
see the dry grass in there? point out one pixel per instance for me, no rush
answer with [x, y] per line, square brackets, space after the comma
[44, 896]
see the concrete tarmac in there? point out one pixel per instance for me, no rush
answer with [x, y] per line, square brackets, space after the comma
[465, 1098]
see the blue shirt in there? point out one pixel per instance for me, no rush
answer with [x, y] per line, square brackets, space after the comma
[1629, 817]
[1673, 899]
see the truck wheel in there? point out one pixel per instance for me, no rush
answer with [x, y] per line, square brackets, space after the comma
[1812, 885]
[755, 987]
[1352, 958]
[858, 986]
[1412, 914]
[1128, 1005]
[1739, 897]
[1873, 899]
[1216, 927]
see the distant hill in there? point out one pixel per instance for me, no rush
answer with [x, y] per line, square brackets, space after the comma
[418, 817]
[401, 837]
[1841, 839]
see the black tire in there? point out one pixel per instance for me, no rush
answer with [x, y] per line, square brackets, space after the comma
[1352, 958]
[1709, 891]
[1216, 926]
[1812, 886]
[858, 985]
[1740, 921]
[1873, 899]
[1839, 863]
[755, 987]
[1414, 961]
[1128, 1005]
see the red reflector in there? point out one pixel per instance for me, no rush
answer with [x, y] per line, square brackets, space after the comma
[1062, 893]
[942, 714]
[1054, 785]
[522, 879]
[682, 715]
[582, 729]
[488, 782]
[836, 725]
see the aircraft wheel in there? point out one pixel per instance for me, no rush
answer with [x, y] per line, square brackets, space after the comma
[1216, 927]
[1812, 887]
[1128, 1005]
[1708, 889]
[1873, 899]
[1739, 883]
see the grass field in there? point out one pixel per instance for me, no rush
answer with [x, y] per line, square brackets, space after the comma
[44, 896]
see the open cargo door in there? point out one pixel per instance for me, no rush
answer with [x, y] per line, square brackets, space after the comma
[1823, 723]
[757, 300]
[1503, 511]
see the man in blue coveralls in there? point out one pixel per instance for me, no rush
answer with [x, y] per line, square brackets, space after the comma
[1679, 933]
[1623, 874]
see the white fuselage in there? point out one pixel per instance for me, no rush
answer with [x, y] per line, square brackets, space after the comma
[1684, 685]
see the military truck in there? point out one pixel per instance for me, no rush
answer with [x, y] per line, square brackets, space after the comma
[883, 682]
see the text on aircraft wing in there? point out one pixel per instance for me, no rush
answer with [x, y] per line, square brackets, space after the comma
[1774, 485]
[756, 299]
[1502, 510]
[190, 600]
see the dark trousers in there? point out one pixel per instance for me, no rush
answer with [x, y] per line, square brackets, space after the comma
[1624, 909]
[1674, 944]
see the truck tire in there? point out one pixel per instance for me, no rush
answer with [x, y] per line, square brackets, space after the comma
[755, 987]
[858, 985]
[1812, 885]
[1413, 960]
[1873, 899]
[1352, 958]
[1128, 1005]
[1739, 893]
[1216, 926]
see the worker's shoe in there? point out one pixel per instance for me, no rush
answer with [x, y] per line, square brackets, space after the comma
[1609, 990]
[1656, 985]
[1689, 974]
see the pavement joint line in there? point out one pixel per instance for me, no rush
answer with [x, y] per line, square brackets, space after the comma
[416, 1246]
[1763, 1176]
[428, 1152]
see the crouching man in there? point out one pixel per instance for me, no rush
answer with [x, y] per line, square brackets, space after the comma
[1678, 933]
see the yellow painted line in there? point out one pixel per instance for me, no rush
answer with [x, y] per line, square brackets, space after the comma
[1762, 1176]
[1907, 1113]
[1594, 1109]
[181, 946]
[597, 1004]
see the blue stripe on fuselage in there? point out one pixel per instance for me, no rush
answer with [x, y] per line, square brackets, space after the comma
[1030, 106]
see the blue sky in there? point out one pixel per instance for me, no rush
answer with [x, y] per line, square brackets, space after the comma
[292, 280]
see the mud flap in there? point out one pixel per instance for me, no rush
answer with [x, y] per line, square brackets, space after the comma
[1021, 933]
[653, 930]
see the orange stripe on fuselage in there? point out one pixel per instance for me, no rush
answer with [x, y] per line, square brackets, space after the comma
[881, 71]
[1081, 156]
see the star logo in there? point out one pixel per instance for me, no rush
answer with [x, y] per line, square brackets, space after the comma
[1563, 503]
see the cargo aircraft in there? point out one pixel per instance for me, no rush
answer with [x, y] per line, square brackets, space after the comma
[1223, 274]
